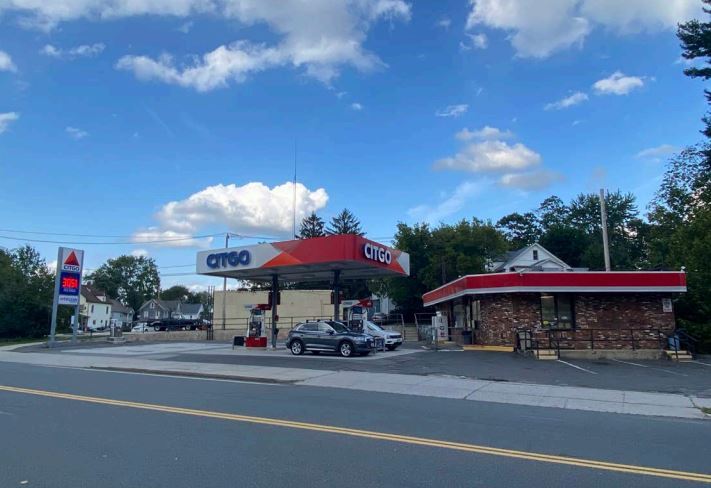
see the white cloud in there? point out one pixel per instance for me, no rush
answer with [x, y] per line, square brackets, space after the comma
[553, 25]
[250, 208]
[491, 156]
[52, 266]
[532, 180]
[569, 101]
[6, 63]
[444, 23]
[83, 51]
[453, 110]
[454, 203]
[656, 153]
[320, 36]
[7, 118]
[356, 106]
[169, 238]
[186, 27]
[476, 41]
[138, 253]
[75, 133]
[617, 84]
[485, 132]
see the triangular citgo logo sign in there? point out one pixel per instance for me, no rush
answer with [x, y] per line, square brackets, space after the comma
[72, 260]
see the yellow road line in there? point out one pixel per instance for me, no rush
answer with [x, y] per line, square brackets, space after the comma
[457, 446]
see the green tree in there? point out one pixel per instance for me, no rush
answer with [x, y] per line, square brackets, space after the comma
[521, 230]
[311, 226]
[26, 292]
[344, 223]
[695, 37]
[177, 292]
[130, 279]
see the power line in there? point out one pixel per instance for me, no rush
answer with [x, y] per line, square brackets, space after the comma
[130, 243]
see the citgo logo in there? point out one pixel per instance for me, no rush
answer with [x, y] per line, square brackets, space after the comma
[225, 259]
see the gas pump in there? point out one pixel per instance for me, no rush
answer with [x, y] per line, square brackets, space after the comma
[256, 333]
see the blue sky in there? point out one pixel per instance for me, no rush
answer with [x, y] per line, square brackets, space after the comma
[153, 120]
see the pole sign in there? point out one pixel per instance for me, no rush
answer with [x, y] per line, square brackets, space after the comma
[67, 287]
[69, 275]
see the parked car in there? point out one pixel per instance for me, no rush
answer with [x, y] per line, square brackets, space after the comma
[328, 336]
[392, 339]
[379, 317]
[141, 328]
[176, 324]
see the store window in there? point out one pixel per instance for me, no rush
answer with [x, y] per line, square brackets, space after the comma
[557, 311]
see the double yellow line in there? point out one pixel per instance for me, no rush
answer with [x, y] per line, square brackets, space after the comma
[381, 436]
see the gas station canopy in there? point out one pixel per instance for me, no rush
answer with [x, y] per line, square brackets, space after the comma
[316, 259]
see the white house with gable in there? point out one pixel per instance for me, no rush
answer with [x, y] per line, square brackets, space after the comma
[532, 258]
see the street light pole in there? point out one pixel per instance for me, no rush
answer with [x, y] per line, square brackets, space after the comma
[224, 288]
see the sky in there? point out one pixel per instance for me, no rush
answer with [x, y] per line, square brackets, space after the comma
[126, 122]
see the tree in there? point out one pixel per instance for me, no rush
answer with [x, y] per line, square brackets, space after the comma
[344, 223]
[311, 226]
[521, 230]
[177, 292]
[26, 292]
[695, 37]
[130, 279]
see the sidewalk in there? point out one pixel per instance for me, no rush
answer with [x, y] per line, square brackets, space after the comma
[574, 398]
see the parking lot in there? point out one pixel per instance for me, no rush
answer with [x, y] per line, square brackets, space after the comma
[653, 376]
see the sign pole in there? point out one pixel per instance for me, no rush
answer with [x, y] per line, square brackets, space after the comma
[53, 326]
[76, 308]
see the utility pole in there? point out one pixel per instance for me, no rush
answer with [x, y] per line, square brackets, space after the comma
[224, 287]
[605, 242]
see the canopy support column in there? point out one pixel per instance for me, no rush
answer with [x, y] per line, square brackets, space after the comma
[336, 293]
[275, 312]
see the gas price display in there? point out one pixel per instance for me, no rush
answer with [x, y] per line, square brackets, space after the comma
[69, 283]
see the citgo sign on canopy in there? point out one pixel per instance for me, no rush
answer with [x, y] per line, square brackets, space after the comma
[377, 253]
[225, 259]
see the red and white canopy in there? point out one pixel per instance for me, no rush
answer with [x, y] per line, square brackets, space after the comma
[306, 260]
[580, 281]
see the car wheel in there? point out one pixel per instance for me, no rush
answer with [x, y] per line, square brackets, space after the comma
[346, 349]
[297, 347]
[156, 329]
[315, 353]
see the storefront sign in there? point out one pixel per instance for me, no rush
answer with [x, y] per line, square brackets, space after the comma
[228, 259]
[377, 253]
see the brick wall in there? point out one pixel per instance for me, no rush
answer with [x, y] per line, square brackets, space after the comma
[613, 321]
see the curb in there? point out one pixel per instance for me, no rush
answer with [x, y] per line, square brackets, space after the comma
[190, 374]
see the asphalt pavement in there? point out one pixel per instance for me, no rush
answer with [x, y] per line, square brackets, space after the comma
[662, 376]
[127, 430]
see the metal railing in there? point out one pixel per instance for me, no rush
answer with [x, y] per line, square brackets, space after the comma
[682, 341]
[568, 338]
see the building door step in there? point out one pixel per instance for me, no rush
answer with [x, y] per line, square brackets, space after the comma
[479, 347]
[681, 356]
[547, 354]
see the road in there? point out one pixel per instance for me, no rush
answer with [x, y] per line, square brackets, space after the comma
[75, 428]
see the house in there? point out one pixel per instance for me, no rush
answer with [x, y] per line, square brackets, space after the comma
[120, 314]
[94, 308]
[582, 313]
[156, 309]
[532, 258]
[191, 311]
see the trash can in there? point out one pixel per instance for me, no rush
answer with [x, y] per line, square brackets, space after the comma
[467, 336]
[674, 343]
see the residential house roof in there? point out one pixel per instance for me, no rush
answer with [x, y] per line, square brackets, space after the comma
[119, 307]
[511, 260]
[91, 294]
[190, 308]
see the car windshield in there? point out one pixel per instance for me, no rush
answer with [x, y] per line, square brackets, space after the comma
[338, 327]
[374, 326]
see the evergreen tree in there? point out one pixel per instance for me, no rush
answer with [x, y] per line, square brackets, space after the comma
[311, 226]
[344, 223]
[695, 37]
